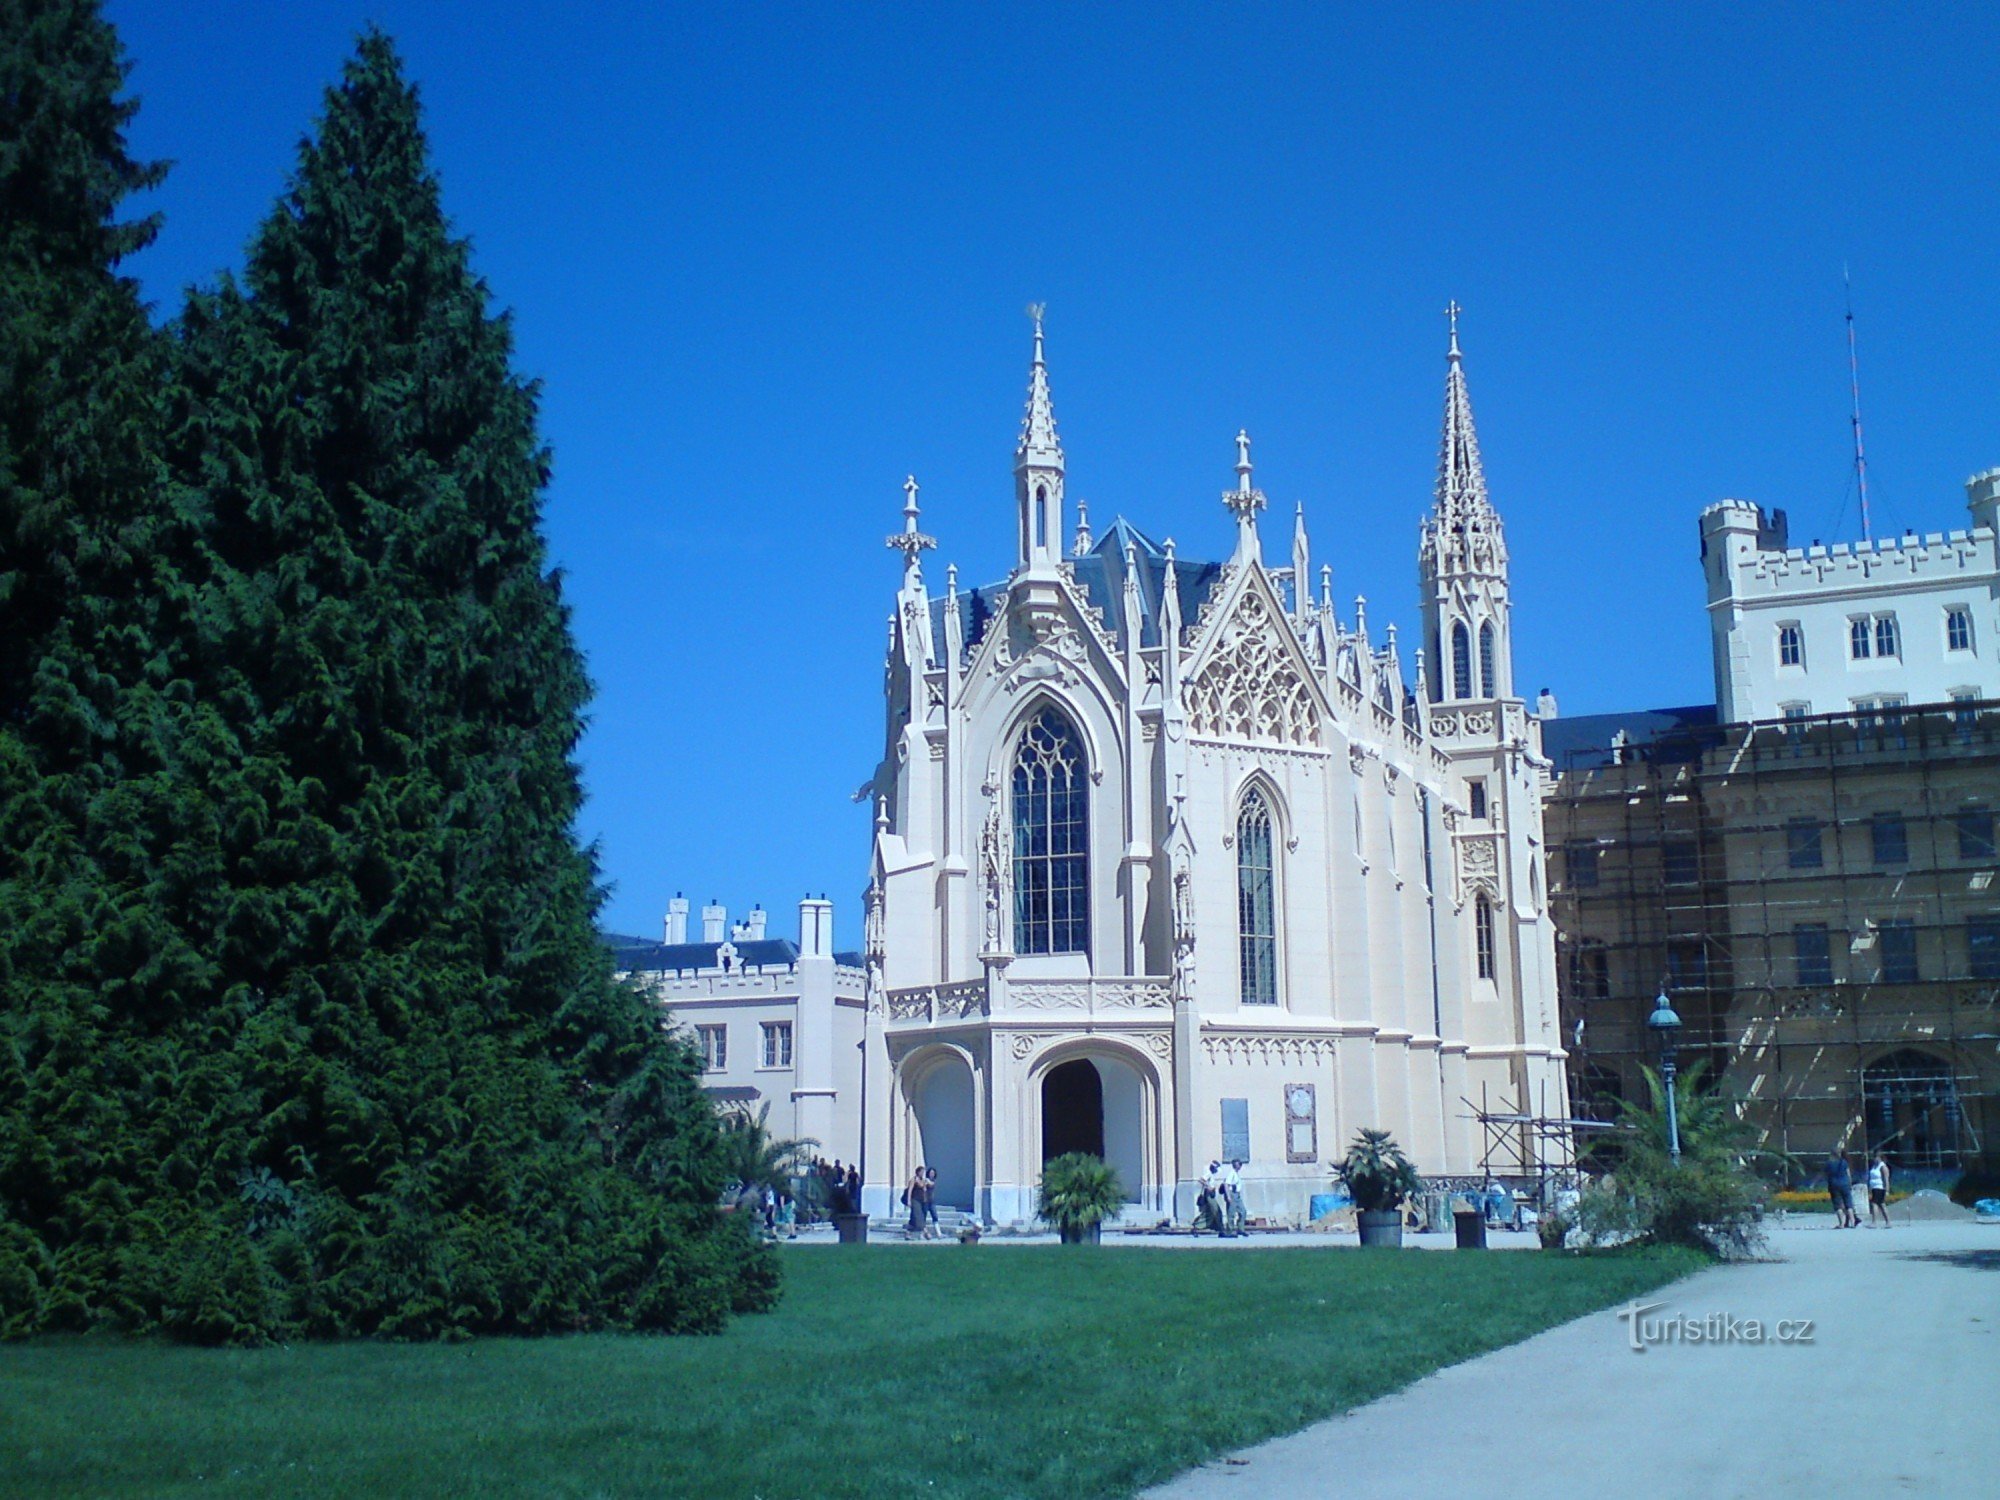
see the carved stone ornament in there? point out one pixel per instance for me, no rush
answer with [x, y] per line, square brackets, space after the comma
[1251, 687]
[1021, 1043]
[996, 868]
[1160, 1044]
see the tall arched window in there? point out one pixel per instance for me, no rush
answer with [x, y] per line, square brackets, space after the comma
[1489, 685]
[1256, 901]
[1910, 1101]
[1482, 925]
[1461, 662]
[1051, 838]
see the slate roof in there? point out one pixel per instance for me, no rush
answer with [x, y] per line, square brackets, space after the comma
[1101, 574]
[1666, 735]
[631, 953]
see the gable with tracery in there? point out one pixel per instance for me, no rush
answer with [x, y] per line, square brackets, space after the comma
[1252, 686]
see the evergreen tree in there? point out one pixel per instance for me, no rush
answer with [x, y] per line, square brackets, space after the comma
[378, 1078]
[83, 657]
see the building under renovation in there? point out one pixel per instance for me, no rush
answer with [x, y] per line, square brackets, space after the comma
[1810, 875]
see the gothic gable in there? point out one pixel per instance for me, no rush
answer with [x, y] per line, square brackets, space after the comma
[1251, 681]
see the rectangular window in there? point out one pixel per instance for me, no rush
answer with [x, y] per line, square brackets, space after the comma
[1982, 947]
[1589, 972]
[1858, 638]
[714, 1042]
[1812, 954]
[1580, 865]
[1886, 636]
[1687, 965]
[777, 1044]
[1482, 923]
[1791, 645]
[1891, 838]
[1898, 941]
[1802, 850]
[1957, 628]
[1975, 832]
[1963, 714]
[1680, 862]
[1476, 789]
[1236, 1130]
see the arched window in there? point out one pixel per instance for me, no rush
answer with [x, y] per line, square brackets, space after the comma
[1256, 901]
[1461, 662]
[1910, 1102]
[1482, 925]
[1051, 839]
[1489, 685]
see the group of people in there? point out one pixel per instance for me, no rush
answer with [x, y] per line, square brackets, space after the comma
[920, 1197]
[1220, 1204]
[839, 1186]
[1840, 1188]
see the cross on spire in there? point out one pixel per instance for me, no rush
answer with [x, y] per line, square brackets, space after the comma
[911, 542]
[1452, 310]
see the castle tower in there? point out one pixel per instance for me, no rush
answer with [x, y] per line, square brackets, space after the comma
[1038, 469]
[1462, 561]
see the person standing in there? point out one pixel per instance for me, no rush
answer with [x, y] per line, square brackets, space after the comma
[1840, 1190]
[1878, 1190]
[913, 1195]
[930, 1203]
[1232, 1199]
[852, 1182]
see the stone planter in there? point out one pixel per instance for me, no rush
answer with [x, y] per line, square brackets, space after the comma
[852, 1228]
[1081, 1234]
[1381, 1226]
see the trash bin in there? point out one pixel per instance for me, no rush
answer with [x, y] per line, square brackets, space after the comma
[852, 1228]
[1471, 1226]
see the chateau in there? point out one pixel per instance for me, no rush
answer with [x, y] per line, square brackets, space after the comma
[1172, 863]
[1808, 867]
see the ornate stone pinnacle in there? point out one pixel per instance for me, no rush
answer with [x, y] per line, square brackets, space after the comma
[911, 542]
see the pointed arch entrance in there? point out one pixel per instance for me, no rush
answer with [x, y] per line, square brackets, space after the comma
[1107, 1106]
[943, 1116]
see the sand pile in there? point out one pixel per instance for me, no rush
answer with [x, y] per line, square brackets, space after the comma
[1929, 1206]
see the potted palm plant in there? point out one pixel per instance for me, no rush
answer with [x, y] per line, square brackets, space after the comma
[1078, 1193]
[1379, 1178]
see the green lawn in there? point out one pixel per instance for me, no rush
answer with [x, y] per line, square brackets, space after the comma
[991, 1370]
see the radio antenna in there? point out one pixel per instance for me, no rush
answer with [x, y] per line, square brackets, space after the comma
[1854, 385]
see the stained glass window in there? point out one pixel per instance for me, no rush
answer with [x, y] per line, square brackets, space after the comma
[1256, 904]
[1051, 839]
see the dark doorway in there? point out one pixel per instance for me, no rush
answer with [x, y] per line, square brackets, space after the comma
[1072, 1110]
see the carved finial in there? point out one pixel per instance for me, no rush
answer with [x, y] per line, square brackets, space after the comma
[1361, 615]
[882, 815]
[1326, 587]
[910, 541]
[1081, 545]
[951, 581]
[1243, 461]
[1452, 310]
[1244, 501]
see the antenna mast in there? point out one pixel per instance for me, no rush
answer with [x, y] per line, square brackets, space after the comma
[1854, 385]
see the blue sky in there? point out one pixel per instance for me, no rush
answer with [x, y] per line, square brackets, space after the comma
[768, 260]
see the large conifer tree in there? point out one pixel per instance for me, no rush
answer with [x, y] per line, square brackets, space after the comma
[399, 1093]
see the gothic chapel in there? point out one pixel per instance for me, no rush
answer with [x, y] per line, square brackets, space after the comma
[1171, 863]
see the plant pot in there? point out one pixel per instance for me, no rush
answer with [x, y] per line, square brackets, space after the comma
[852, 1228]
[1381, 1226]
[1081, 1234]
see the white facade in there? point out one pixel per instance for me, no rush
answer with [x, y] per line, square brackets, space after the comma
[1172, 863]
[776, 1023]
[1800, 631]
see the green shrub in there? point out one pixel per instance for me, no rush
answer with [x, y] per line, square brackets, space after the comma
[1379, 1177]
[1078, 1191]
[1710, 1200]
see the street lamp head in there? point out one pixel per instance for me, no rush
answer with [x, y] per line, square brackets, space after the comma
[1663, 1020]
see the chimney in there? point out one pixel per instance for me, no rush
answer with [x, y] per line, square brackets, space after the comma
[714, 922]
[677, 919]
[756, 925]
[815, 928]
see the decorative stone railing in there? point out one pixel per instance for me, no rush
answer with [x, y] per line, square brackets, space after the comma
[939, 1002]
[1109, 995]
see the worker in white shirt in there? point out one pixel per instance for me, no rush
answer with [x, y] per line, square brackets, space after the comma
[1232, 1197]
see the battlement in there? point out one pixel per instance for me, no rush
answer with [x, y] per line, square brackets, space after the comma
[1939, 555]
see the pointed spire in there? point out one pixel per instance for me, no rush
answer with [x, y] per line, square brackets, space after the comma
[1326, 589]
[1244, 502]
[1301, 567]
[911, 542]
[1081, 546]
[1039, 447]
[1464, 531]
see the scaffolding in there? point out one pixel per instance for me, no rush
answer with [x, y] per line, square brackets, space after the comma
[1817, 897]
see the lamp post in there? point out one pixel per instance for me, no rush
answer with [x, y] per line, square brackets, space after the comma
[1663, 1023]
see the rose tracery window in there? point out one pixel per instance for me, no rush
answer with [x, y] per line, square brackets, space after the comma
[1051, 838]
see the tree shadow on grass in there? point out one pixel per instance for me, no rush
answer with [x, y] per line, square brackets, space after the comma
[1970, 1260]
